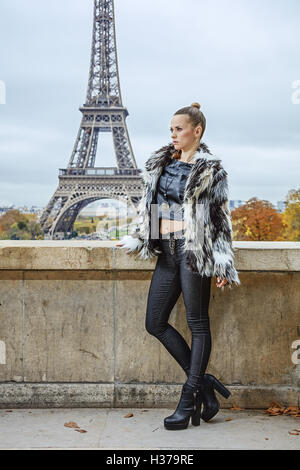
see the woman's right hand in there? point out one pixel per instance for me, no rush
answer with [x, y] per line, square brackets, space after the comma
[121, 244]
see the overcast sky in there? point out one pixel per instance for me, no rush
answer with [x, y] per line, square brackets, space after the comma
[237, 58]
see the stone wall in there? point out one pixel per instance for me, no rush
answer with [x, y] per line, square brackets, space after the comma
[72, 334]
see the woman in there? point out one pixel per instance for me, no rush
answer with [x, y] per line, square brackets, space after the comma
[185, 221]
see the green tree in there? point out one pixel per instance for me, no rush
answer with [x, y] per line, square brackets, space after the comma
[291, 216]
[17, 226]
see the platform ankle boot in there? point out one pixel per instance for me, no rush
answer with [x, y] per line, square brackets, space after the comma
[189, 406]
[207, 389]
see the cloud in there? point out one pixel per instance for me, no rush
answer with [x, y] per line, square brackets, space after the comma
[237, 58]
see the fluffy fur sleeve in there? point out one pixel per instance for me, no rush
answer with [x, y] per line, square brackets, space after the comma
[222, 228]
[136, 240]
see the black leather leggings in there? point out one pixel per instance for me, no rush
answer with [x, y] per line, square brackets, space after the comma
[171, 277]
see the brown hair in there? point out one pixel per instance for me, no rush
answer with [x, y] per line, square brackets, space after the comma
[196, 117]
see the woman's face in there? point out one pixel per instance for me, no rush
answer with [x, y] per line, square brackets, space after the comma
[183, 134]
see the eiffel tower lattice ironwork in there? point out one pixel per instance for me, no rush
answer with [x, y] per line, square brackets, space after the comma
[81, 182]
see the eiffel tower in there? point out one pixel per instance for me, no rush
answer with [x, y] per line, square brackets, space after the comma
[81, 182]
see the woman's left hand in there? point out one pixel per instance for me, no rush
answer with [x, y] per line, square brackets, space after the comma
[221, 283]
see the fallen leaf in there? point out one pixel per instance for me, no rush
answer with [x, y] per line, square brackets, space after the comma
[235, 407]
[275, 404]
[275, 409]
[8, 411]
[228, 419]
[294, 433]
[80, 430]
[291, 410]
[129, 415]
[266, 438]
[71, 424]
[274, 412]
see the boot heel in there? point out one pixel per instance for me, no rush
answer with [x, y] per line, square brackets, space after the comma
[197, 412]
[220, 387]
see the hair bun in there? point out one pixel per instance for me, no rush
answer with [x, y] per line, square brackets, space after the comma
[196, 105]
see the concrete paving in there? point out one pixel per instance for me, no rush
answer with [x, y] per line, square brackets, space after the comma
[107, 428]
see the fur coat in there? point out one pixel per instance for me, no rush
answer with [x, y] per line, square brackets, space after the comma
[207, 223]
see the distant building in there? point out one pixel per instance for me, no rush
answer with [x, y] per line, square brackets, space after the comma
[234, 203]
[281, 206]
[23, 209]
[4, 209]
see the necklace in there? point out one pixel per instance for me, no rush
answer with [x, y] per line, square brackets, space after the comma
[188, 161]
[165, 206]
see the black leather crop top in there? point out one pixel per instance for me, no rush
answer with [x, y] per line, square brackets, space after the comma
[170, 189]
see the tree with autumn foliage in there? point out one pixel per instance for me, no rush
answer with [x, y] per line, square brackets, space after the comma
[291, 216]
[257, 220]
[17, 226]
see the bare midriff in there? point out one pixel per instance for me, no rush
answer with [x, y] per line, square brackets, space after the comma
[168, 226]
